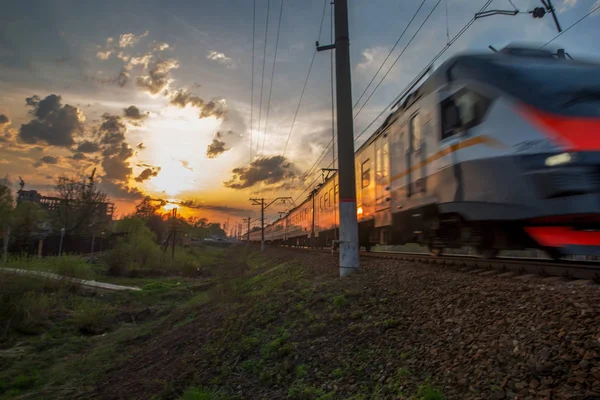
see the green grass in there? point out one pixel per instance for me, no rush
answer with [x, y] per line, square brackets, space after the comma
[248, 320]
[196, 393]
[60, 338]
[427, 392]
[71, 266]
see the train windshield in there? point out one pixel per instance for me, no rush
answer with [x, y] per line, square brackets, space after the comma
[565, 87]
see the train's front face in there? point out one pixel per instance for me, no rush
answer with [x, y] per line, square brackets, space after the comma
[561, 100]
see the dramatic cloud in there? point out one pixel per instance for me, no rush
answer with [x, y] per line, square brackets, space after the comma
[46, 160]
[112, 133]
[215, 148]
[147, 174]
[78, 156]
[265, 170]
[214, 108]
[158, 76]
[121, 79]
[141, 146]
[186, 165]
[4, 120]
[220, 57]
[121, 191]
[116, 155]
[88, 147]
[104, 55]
[161, 46]
[54, 124]
[213, 207]
[116, 166]
[182, 98]
[132, 113]
[129, 39]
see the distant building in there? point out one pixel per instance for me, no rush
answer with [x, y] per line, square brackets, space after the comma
[29, 195]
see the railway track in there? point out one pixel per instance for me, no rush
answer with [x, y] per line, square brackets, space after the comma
[574, 270]
[580, 272]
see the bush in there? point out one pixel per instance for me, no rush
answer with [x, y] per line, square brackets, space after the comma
[117, 260]
[71, 266]
[92, 317]
[27, 303]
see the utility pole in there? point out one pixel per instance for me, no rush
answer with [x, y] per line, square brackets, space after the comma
[248, 232]
[345, 129]
[174, 233]
[263, 207]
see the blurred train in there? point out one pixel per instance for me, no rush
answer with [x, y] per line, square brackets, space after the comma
[494, 151]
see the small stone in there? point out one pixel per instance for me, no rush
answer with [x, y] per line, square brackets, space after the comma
[584, 364]
[534, 384]
[499, 395]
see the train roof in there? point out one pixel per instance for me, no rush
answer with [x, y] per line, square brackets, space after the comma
[497, 69]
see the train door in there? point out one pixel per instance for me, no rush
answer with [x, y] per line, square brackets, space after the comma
[382, 175]
[414, 156]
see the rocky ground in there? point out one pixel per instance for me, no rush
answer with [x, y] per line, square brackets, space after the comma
[288, 327]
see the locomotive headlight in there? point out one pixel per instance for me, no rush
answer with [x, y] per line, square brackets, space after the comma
[559, 159]
[359, 211]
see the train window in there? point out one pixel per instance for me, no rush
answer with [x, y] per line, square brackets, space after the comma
[415, 130]
[379, 166]
[331, 198]
[366, 173]
[321, 203]
[326, 199]
[386, 160]
[463, 110]
[337, 189]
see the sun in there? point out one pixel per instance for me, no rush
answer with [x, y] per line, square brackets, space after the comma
[176, 141]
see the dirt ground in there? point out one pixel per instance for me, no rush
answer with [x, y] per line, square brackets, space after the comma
[285, 326]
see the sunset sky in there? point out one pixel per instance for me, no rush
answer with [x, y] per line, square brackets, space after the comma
[156, 94]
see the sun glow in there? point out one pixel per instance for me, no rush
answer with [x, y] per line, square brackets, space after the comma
[176, 141]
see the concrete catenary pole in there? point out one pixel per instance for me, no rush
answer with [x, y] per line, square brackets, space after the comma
[345, 128]
[262, 224]
[248, 232]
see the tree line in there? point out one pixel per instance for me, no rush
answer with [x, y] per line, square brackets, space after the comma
[80, 210]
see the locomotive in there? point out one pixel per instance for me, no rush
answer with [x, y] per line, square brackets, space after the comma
[495, 151]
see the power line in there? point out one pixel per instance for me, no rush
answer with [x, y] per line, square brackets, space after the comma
[389, 54]
[272, 76]
[332, 79]
[454, 39]
[252, 80]
[312, 61]
[575, 23]
[262, 82]
[398, 58]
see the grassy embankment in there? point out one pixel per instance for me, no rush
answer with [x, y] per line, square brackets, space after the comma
[243, 325]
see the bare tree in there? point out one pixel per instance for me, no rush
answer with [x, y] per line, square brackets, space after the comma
[81, 205]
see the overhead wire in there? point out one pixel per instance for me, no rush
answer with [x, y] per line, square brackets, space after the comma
[272, 76]
[332, 79]
[252, 80]
[572, 25]
[398, 58]
[452, 41]
[262, 82]
[389, 54]
[312, 61]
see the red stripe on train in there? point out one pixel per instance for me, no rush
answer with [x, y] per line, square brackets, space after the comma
[575, 133]
[558, 236]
